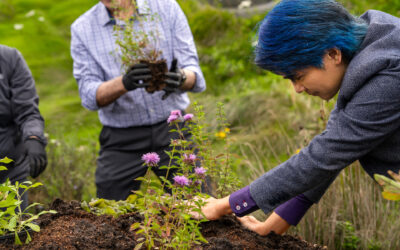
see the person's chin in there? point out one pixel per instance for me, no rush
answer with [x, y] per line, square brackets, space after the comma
[326, 97]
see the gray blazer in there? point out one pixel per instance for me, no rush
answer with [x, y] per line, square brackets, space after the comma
[19, 113]
[364, 126]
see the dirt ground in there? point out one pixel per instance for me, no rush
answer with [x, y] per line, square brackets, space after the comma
[74, 228]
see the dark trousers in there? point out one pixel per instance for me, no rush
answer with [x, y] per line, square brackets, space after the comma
[120, 163]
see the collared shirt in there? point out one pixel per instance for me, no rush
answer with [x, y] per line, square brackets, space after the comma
[97, 59]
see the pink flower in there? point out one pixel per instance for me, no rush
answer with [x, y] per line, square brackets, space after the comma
[151, 159]
[200, 171]
[189, 159]
[181, 180]
[176, 112]
[188, 117]
[172, 118]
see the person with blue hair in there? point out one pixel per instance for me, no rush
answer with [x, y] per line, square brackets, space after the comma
[324, 50]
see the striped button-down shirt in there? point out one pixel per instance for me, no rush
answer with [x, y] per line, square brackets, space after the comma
[96, 60]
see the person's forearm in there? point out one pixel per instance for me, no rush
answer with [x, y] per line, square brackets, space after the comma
[190, 80]
[110, 91]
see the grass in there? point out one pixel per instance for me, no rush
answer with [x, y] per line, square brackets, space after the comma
[269, 122]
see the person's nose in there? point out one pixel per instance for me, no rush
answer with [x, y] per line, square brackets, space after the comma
[298, 87]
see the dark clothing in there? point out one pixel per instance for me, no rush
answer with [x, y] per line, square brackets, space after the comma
[364, 126]
[19, 113]
[120, 163]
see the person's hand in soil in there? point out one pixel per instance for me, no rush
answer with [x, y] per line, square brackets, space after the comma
[214, 209]
[273, 223]
[137, 77]
[37, 156]
[174, 79]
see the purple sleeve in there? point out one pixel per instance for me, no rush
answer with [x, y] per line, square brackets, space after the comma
[294, 209]
[242, 203]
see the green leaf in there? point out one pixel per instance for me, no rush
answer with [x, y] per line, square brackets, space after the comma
[32, 218]
[28, 238]
[13, 223]
[186, 216]
[17, 240]
[37, 184]
[2, 168]
[391, 196]
[98, 203]
[135, 226]
[6, 160]
[138, 246]
[27, 183]
[9, 202]
[34, 227]
[32, 205]
[109, 210]
[131, 198]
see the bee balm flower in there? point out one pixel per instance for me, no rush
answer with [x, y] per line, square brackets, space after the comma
[189, 159]
[172, 118]
[151, 159]
[188, 117]
[176, 112]
[200, 171]
[181, 180]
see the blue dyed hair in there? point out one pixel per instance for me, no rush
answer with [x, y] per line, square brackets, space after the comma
[297, 33]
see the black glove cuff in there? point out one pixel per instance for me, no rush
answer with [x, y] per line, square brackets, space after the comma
[127, 83]
[184, 77]
[30, 139]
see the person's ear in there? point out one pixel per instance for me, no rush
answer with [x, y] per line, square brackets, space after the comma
[336, 55]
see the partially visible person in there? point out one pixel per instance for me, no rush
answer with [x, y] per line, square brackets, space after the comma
[324, 50]
[21, 125]
[134, 121]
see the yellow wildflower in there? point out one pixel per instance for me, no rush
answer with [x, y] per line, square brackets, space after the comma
[220, 134]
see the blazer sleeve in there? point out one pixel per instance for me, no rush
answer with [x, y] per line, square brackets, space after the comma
[24, 99]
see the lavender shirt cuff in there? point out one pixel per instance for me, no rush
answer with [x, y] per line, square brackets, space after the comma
[294, 209]
[242, 203]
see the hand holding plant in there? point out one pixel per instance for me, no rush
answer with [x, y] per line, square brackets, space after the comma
[136, 77]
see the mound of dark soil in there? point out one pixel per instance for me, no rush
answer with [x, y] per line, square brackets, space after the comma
[74, 228]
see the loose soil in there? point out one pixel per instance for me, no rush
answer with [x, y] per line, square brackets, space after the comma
[74, 228]
[158, 70]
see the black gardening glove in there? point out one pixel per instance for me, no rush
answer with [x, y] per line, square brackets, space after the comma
[137, 77]
[174, 79]
[37, 156]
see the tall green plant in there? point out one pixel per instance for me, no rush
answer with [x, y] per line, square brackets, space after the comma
[223, 170]
[177, 229]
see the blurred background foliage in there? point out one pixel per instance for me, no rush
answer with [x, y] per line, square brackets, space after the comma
[269, 122]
